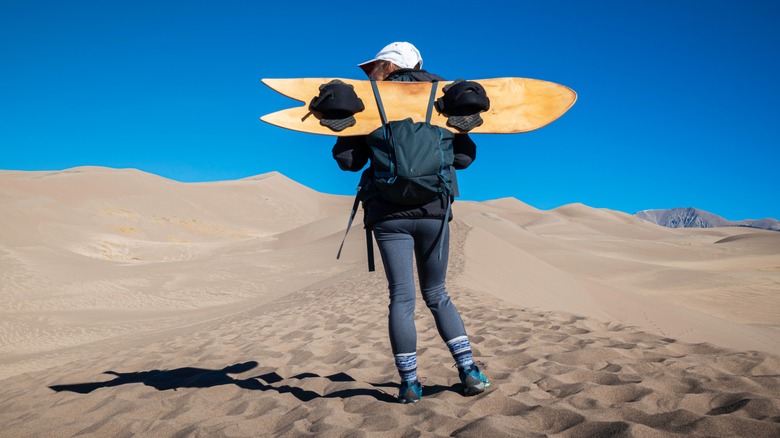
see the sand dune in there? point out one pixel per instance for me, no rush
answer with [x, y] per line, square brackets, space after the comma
[136, 305]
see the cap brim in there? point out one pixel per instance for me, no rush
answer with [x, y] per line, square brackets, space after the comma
[365, 66]
[369, 62]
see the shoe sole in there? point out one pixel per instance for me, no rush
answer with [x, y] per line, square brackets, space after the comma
[409, 397]
[472, 386]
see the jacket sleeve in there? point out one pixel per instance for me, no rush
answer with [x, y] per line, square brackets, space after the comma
[351, 153]
[465, 151]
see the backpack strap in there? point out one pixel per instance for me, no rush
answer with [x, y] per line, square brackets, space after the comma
[349, 223]
[444, 224]
[369, 235]
[370, 249]
[383, 115]
[387, 132]
[379, 103]
[431, 101]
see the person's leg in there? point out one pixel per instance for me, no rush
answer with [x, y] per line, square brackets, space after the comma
[396, 246]
[432, 273]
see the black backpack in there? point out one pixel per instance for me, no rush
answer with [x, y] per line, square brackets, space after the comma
[411, 164]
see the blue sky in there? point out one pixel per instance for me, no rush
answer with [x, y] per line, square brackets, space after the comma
[678, 100]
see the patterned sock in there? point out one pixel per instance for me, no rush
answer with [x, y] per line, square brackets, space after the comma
[460, 348]
[407, 365]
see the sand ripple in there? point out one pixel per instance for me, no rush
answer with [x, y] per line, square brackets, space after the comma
[317, 364]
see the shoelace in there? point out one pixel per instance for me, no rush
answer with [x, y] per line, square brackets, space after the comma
[481, 365]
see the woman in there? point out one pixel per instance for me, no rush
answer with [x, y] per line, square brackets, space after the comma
[402, 231]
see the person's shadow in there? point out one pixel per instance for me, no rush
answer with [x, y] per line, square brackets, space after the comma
[189, 377]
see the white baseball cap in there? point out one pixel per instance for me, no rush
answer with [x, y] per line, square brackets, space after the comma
[402, 54]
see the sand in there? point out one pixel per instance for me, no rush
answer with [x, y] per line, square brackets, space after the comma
[133, 305]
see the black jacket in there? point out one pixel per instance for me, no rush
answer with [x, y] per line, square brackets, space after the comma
[352, 154]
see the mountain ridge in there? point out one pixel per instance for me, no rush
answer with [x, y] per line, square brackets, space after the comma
[690, 217]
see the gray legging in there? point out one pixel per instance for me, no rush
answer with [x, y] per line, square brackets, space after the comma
[398, 239]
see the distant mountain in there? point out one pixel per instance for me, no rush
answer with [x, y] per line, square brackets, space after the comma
[695, 218]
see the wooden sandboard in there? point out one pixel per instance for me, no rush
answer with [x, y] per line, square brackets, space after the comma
[516, 104]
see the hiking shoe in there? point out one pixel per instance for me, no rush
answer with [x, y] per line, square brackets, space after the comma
[474, 382]
[410, 392]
